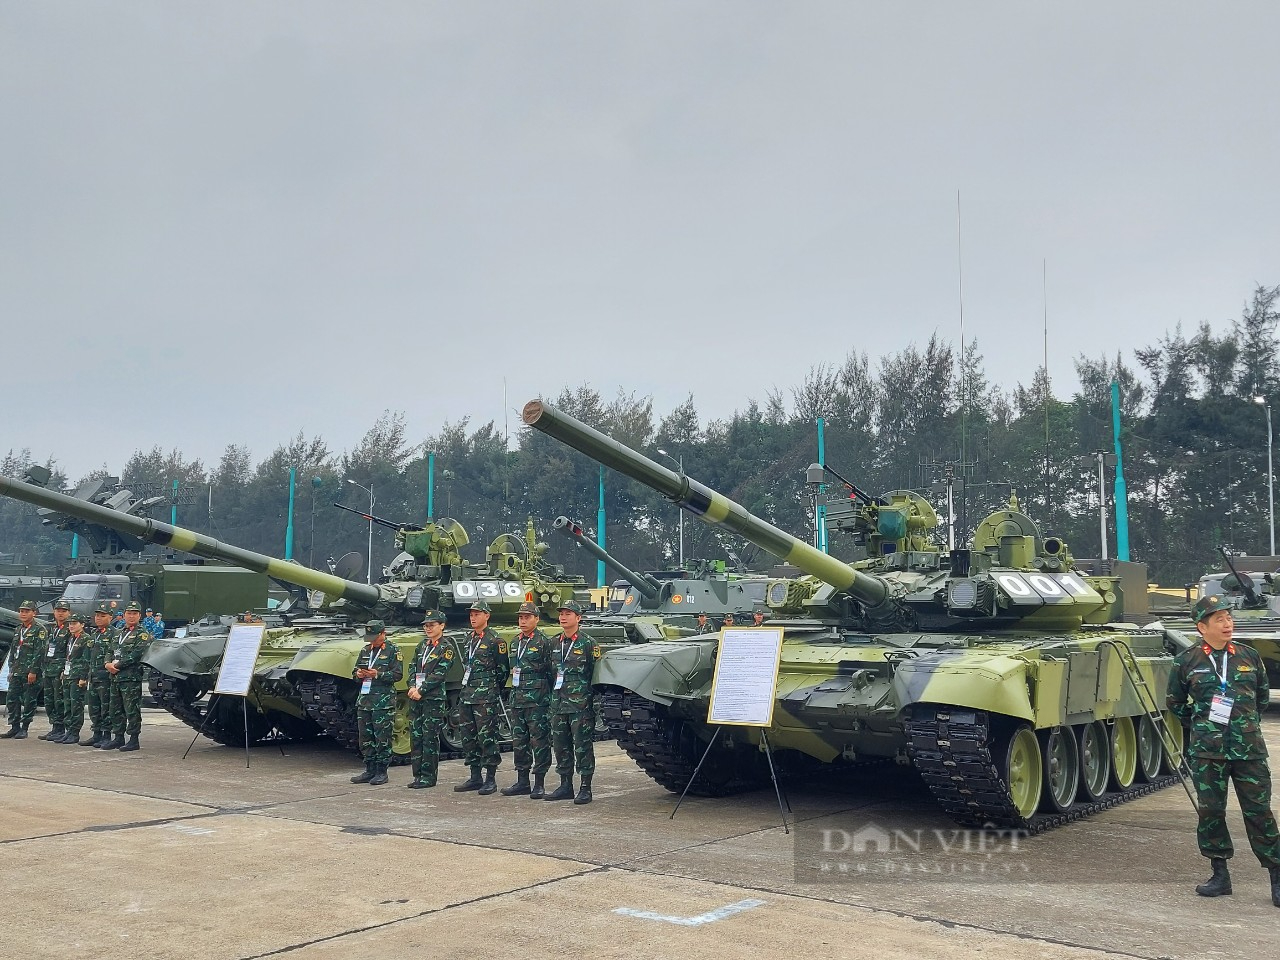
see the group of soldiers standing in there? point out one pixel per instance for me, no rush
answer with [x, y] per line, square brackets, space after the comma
[77, 666]
[550, 705]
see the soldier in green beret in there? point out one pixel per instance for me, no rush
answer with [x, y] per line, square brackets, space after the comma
[24, 665]
[378, 669]
[1218, 689]
[428, 707]
[531, 676]
[124, 663]
[484, 676]
[51, 669]
[74, 679]
[572, 711]
[97, 692]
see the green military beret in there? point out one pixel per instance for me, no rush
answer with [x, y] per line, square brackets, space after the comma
[134, 606]
[27, 605]
[374, 627]
[482, 607]
[1207, 606]
[433, 616]
[61, 605]
[528, 607]
[573, 606]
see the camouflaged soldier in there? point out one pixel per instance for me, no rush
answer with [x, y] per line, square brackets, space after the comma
[124, 663]
[97, 692]
[378, 670]
[73, 679]
[531, 676]
[25, 654]
[1218, 689]
[573, 719]
[484, 675]
[51, 670]
[428, 708]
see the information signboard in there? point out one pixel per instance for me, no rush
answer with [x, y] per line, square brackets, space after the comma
[746, 676]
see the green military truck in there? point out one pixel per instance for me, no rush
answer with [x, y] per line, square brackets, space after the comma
[180, 592]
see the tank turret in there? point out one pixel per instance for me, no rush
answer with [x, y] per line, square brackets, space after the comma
[649, 588]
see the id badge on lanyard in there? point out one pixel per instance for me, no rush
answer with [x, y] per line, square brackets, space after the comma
[50, 652]
[367, 686]
[1220, 706]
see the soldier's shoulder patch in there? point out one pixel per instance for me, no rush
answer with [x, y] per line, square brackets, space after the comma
[595, 653]
[448, 653]
[1245, 668]
[502, 646]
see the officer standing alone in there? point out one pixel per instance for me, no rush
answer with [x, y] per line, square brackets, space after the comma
[378, 670]
[427, 700]
[1218, 689]
[531, 673]
[573, 719]
[484, 675]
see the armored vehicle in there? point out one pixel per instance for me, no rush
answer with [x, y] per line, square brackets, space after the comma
[991, 670]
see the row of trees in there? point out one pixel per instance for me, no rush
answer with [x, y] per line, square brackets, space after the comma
[1194, 443]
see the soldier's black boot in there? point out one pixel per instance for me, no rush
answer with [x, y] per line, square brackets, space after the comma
[379, 775]
[22, 733]
[584, 794]
[520, 787]
[489, 785]
[366, 776]
[564, 791]
[539, 787]
[55, 733]
[1275, 885]
[115, 743]
[70, 736]
[472, 783]
[11, 733]
[93, 740]
[1218, 885]
[131, 745]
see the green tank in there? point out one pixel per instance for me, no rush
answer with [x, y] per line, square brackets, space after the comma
[1255, 599]
[993, 671]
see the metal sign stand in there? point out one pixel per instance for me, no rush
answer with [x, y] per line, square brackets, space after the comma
[235, 674]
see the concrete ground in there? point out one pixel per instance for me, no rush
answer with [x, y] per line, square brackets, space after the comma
[147, 855]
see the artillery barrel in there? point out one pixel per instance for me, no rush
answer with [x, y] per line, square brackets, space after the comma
[188, 541]
[704, 503]
[649, 588]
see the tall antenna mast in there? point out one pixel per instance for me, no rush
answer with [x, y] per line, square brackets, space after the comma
[1044, 292]
[964, 399]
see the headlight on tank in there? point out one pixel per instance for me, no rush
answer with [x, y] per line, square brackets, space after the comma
[316, 599]
[414, 598]
[967, 596]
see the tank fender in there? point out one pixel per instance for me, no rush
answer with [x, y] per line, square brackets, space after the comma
[182, 657]
[662, 672]
[966, 678]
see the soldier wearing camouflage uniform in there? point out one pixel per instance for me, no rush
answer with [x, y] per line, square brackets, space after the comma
[124, 663]
[28, 647]
[531, 674]
[378, 670]
[427, 702]
[1218, 689]
[74, 679]
[97, 692]
[573, 718]
[484, 676]
[55, 654]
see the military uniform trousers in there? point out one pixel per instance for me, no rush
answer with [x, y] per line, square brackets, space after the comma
[426, 720]
[376, 713]
[53, 708]
[531, 738]
[97, 698]
[477, 725]
[1252, 780]
[573, 736]
[126, 705]
[22, 699]
[73, 697]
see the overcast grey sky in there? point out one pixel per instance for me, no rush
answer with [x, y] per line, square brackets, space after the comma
[230, 222]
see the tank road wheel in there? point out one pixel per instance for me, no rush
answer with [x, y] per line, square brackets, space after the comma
[450, 735]
[1020, 765]
[1061, 768]
[1149, 752]
[1095, 760]
[1124, 753]
[401, 745]
[1174, 726]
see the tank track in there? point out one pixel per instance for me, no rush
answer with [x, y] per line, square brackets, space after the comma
[169, 696]
[648, 736]
[950, 748]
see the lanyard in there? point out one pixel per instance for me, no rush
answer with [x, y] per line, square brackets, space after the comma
[472, 646]
[1222, 674]
[566, 644]
[374, 653]
[429, 649]
[524, 645]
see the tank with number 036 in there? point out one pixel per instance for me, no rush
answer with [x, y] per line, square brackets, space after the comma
[302, 681]
[994, 670]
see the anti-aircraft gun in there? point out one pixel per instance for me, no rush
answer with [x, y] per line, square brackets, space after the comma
[428, 573]
[991, 670]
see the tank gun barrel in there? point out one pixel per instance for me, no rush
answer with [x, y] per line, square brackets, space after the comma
[706, 504]
[188, 541]
[649, 588]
